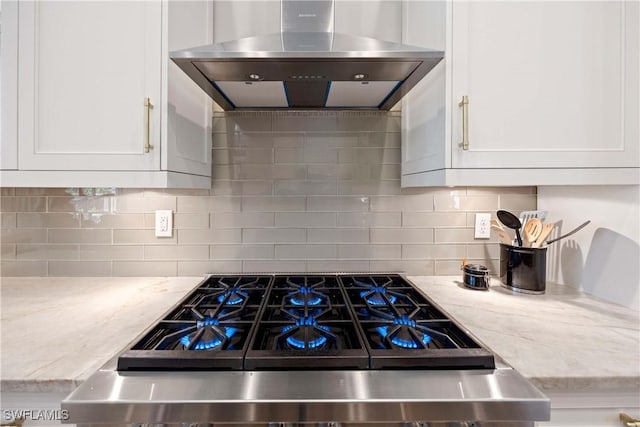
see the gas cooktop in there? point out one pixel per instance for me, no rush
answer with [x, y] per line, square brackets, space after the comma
[305, 322]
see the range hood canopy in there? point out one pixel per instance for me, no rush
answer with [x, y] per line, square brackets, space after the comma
[307, 66]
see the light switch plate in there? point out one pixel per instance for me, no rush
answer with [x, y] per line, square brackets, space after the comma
[483, 226]
[164, 223]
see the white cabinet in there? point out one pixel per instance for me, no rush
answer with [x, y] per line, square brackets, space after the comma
[552, 91]
[8, 86]
[98, 102]
[594, 408]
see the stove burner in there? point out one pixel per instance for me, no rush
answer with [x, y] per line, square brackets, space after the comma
[305, 296]
[405, 333]
[374, 295]
[208, 335]
[306, 333]
[232, 296]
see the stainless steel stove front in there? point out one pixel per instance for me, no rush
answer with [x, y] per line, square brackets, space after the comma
[498, 397]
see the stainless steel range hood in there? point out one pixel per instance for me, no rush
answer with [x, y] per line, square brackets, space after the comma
[307, 66]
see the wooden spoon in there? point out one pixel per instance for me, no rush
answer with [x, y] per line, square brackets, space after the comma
[546, 230]
[502, 235]
[532, 230]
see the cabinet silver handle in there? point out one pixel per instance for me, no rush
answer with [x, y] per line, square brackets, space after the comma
[465, 122]
[628, 421]
[148, 106]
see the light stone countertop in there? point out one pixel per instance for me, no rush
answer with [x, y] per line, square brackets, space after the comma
[562, 340]
[55, 332]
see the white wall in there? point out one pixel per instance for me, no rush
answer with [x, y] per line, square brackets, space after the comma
[603, 259]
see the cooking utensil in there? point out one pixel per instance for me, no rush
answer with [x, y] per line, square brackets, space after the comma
[531, 230]
[511, 221]
[526, 215]
[546, 230]
[502, 234]
[497, 224]
[575, 230]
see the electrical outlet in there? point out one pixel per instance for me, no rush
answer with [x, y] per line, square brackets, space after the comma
[483, 226]
[164, 223]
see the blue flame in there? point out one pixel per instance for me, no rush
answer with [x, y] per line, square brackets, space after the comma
[404, 320]
[301, 301]
[375, 295]
[215, 342]
[400, 342]
[235, 296]
[306, 321]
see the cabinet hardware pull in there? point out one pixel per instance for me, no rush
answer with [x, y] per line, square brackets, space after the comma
[628, 421]
[465, 122]
[148, 105]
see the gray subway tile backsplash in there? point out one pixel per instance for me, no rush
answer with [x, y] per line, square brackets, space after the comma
[46, 252]
[305, 219]
[369, 219]
[23, 204]
[48, 220]
[145, 268]
[218, 235]
[8, 220]
[338, 203]
[23, 235]
[291, 192]
[274, 235]
[23, 268]
[111, 252]
[134, 237]
[7, 251]
[242, 220]
[369, 251]
[338, 235]
[100, 220]
[176, 252]
[80, 268]
[434, 219]
[401, 235]
[304, 187]
[242, 251]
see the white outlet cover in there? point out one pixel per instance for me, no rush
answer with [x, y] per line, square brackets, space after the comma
[482, 226]
[164, 223]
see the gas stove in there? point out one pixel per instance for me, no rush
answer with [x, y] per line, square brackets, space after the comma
[293, 350]
[305, 322]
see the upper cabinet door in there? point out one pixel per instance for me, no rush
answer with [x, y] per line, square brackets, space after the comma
[549, 84]
[85, 70]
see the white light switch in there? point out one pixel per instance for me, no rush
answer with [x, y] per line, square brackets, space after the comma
[164, 223]
[483, 226]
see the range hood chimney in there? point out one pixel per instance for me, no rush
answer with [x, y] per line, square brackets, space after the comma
[307, 66]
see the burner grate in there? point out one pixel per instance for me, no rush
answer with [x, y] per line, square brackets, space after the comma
[305, 322]
[402, 329]
[209, 329]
